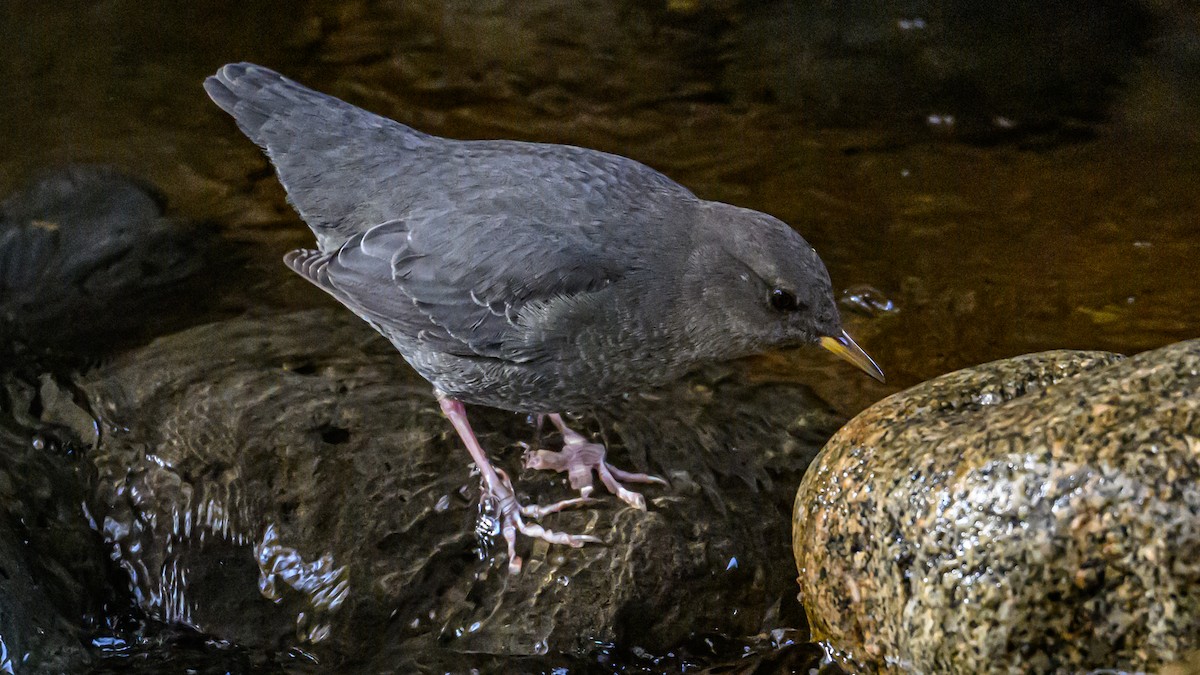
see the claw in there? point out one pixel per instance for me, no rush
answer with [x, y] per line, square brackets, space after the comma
[630, 477]
[499, 490]
[579, 458]
[537, 511]
[539, 532]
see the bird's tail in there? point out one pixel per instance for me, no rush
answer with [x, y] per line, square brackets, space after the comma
[332, 157]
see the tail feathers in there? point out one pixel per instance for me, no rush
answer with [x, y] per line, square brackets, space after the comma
[334, 159]
[252, 94]
[311, 265]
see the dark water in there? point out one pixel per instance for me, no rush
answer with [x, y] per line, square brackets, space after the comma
[982, 183]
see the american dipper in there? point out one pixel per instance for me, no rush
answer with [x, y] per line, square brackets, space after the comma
[529, 276]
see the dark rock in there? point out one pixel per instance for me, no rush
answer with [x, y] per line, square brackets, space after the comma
[288, 481]
[54, 577]
[1037, 514]
[86, 254]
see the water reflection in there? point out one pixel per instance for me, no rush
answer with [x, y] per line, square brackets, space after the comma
[325, 585]
[6, 665]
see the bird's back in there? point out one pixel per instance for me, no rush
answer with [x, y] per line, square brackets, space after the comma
[346, 170]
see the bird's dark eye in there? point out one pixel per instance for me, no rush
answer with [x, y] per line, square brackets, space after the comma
[784, 300]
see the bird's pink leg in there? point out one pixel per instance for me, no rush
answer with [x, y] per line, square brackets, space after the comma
[579, 458]
[500, 490]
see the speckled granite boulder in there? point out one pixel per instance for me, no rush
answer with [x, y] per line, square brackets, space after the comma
[1036, 514]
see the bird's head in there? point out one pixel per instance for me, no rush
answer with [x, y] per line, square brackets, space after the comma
[759, 284]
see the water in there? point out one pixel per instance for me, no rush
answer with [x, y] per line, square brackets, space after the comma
[981, 185]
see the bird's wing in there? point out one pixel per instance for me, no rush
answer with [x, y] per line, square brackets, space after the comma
[503, 293]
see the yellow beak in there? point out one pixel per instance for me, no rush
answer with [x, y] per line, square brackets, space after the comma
[847, 349]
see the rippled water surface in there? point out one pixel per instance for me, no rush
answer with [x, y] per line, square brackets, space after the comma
[980, 185]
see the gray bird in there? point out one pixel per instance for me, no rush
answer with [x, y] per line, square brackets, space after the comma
[526, 276]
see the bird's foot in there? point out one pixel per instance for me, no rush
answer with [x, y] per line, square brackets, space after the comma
[510, 519]
[498, 491]
[579, 458]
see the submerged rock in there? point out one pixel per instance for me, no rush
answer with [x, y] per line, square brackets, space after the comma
[287, 481]
[86, 254]
[1037, 514]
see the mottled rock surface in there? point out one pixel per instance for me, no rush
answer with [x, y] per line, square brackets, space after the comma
[287, 481]
[1035, 514]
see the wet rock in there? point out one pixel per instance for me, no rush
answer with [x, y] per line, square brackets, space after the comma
[54, 577]
[287, 481]
[1037, 514]
[86, 254]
